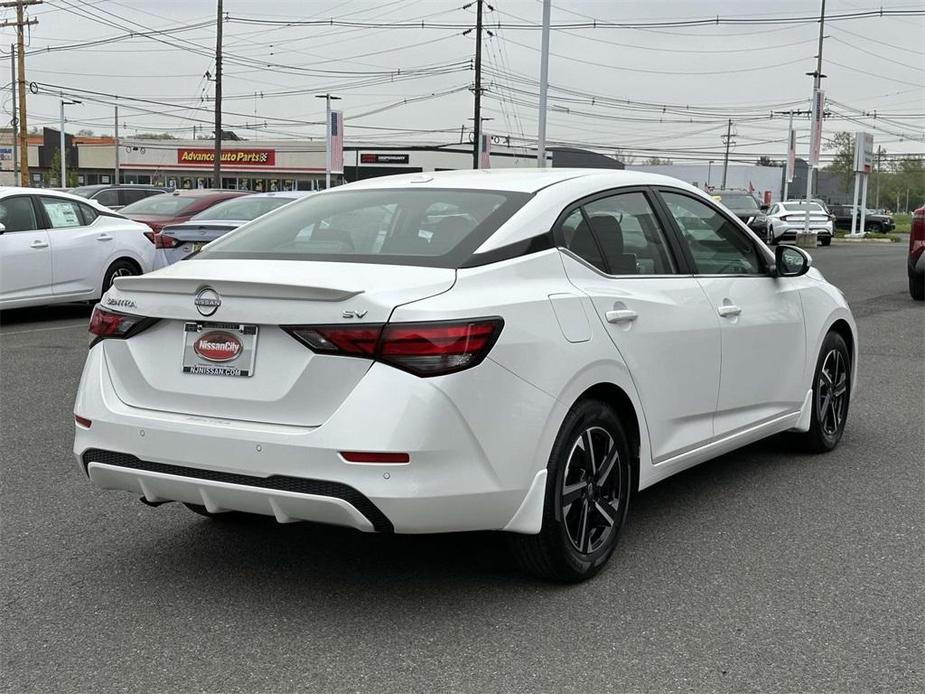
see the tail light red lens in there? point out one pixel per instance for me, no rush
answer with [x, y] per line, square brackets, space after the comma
[161, 241]
[372, 457]
[424, 349]
[109, 324]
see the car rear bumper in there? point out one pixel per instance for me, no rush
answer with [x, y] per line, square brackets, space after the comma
[467, 471]
[790, 231]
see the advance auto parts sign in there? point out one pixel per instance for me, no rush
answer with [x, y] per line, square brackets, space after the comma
[241, 157]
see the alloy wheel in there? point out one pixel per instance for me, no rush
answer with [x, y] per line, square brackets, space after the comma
[590, 494]
[120, 272]
[832, 392]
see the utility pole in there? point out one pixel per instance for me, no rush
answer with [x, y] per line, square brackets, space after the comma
[544, 87]
[791, 144]
[879, 153]
[217, 164]
[477, 115]
[14, 136]
[327, 136]
[116, 140]
[20, 23]
[726, 158]
[817, 106]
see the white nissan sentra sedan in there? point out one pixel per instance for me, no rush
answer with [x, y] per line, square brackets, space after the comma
[506, 350]
[56, 247]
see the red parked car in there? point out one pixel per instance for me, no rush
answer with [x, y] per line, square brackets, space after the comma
[917, 255]
[171, 208]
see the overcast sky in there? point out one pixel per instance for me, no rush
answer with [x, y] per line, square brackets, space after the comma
[719, 71]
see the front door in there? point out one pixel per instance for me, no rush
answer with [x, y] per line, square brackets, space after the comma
[659, 320]
[25, 253]
[761, 317]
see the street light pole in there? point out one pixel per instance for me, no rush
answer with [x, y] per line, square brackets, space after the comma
[327, 136]
[813, 144]
[544, 86]
[63, 151]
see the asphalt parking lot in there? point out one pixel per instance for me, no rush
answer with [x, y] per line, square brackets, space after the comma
[764, 570]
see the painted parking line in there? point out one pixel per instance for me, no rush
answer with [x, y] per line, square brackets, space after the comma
[82, 324]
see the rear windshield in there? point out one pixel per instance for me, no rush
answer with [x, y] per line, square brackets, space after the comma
[165, 205]
[803, 206]
[738, 201]
[403, 226]
[245, 209]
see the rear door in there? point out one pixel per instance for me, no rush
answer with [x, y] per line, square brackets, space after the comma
[761, 316]
[659, 320]
[25, 253]
[77, 249]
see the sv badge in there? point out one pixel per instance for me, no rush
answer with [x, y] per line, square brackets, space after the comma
[354, 314]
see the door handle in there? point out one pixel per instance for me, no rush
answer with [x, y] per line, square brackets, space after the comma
[729, 310]
[620, 315]
[104, 237]
[38, 244]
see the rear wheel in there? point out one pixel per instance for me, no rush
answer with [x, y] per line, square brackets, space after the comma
[826, 240]
[831, 395]
[917, 288]
[587, 497]
[120, 268]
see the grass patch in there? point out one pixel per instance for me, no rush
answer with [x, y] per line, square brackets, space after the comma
[894, 237]
[903, 223]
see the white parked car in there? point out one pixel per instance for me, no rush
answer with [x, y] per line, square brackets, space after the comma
[786, 219]
[507, 350]
[179, 240]
[56, 247]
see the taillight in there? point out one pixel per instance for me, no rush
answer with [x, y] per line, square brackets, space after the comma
[109, 324]
[161, 241]
[424, 349]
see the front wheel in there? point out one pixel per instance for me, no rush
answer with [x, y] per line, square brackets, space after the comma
[826, 240]
[916, 288]
[587, 497]
[831, 395]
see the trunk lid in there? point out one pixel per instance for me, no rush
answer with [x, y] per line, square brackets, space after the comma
[199, 232]
[289, 384]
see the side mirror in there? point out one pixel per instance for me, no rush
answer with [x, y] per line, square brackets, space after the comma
[765, 207]
[790, 261]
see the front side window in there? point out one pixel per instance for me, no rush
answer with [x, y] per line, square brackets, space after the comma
[17, 214]
[62, 214]
[428, 226]
[717, 245]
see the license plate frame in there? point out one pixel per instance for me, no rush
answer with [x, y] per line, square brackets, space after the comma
[241, 365]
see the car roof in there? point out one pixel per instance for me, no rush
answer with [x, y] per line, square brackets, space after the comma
[13, 190]
[523, 180]
[205, 192]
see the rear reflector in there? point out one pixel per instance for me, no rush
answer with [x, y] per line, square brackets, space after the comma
[82, 421]
[368, 457]
[424, 349]
[109, 324]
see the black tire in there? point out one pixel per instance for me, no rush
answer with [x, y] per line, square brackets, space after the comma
[771, 240]
[233, 516]
[826, 240]
[917, 288]
[578, 536]
[877, 228]
[831, 380]
[120, 268]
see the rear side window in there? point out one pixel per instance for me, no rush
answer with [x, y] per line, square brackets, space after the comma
[127, 197]
[429, 227]
[18, 214]
[108, 198]
[88, 213]
[62, 213]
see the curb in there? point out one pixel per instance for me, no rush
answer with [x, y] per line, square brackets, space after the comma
[837, 240]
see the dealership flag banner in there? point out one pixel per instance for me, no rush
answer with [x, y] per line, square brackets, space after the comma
[863, 152]
[791, 155]
[816, 143]
[485, 162]
[336, 134]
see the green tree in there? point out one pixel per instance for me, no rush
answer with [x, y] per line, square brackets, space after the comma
[655, 161]
[843, 162]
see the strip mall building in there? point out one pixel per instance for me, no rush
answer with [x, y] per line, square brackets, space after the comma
[251, 165]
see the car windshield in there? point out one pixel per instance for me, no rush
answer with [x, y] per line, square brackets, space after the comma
[431, 227]
[245, 209]
[802, 206]
[164, 205]
[738, 201]
[84, 191]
